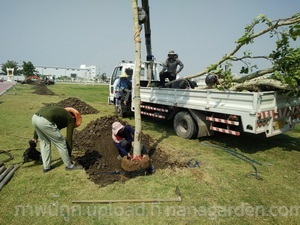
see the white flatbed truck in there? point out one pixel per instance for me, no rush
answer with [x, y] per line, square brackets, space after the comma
[200, 112]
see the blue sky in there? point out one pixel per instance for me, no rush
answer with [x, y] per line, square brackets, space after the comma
[69, 33]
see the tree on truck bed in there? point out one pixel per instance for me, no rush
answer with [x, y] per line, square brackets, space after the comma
[283, 75]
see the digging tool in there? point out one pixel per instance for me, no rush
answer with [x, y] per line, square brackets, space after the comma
[177, 192]
[9, 176]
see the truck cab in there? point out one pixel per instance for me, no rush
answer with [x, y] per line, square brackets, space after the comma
[147, 78]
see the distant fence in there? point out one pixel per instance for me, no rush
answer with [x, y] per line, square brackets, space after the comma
[16, 78]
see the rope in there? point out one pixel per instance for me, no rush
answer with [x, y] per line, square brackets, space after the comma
[136, 37]
[10, 156]
[239, 156]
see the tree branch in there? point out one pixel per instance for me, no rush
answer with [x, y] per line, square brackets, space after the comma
[276, 24]
[249, 57]
[261, 85]
[254, 75]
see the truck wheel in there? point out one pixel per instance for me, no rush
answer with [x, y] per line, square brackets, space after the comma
[184, 125]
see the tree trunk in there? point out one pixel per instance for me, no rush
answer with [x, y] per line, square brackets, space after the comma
[260, 85]
[254, 75]
[136, 83]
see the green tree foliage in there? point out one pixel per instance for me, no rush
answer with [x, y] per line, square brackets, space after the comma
[28, 69]
[10, 64]
[285, 59]
[103, 77]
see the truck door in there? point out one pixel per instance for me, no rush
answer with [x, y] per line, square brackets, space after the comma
[113, 82]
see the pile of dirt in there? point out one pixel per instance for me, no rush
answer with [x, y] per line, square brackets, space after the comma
[96, 152]
[77, 104]
[41, 89]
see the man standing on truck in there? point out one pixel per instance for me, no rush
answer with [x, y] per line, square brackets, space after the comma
[170, 68]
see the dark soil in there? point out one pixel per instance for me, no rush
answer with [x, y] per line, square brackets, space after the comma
[77, 104]
[96, 152]
[42, 89]
[94, 149]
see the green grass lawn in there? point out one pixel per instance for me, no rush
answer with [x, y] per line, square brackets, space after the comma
[217, 192]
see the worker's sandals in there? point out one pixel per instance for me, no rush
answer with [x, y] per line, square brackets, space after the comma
[48, 169]
[73, 167]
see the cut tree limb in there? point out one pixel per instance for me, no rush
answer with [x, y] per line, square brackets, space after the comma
[254, 75]
[260, 85]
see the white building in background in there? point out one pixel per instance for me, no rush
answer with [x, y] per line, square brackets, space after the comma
[83, 72]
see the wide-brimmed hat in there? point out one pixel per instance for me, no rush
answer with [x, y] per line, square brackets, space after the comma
[116, 127]
[124, 74]
[172, 53]
[76, 115]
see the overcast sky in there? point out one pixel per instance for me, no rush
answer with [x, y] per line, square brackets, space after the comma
[69, 33]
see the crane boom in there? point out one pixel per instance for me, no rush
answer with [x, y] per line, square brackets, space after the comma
[147, 30]
[145, 5]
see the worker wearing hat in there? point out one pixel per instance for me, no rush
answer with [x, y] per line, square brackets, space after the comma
[47, 123]
[170, 68]
[123, 138]
[123, 87]
[124, 83]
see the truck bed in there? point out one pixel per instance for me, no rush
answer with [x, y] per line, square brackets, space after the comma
[212, 100]
[249, 106]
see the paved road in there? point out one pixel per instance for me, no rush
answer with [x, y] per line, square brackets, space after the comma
[5, 86]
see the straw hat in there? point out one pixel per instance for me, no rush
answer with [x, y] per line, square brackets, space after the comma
[76, 114]
[124, 75]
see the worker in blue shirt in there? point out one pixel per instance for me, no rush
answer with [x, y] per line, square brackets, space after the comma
[123, 87]
[124, 82]
[123, 137]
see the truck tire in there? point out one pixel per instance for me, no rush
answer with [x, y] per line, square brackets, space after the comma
[184, 125]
